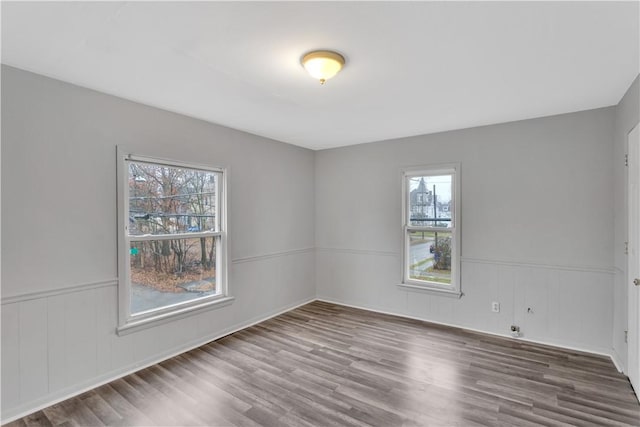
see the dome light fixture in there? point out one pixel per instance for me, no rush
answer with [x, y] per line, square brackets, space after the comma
[322, 64]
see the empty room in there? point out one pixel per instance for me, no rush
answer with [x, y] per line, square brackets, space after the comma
[320, 213]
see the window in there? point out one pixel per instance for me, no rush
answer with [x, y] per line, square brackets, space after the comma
[172, 239]
[431, 229]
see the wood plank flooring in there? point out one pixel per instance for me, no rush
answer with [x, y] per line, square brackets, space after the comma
[324, 365]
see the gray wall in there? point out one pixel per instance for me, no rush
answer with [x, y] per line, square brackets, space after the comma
[540, 227]
[627, 116]
[537, 227]
[59, 296]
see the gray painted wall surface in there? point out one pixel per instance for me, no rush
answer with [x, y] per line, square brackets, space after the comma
[59, 230]
[537, 227]
[540, 227]
[627, 116]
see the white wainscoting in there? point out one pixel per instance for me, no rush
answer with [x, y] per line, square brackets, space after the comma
[58, 343]
[63, 342]
[570, 306]
[620, 325]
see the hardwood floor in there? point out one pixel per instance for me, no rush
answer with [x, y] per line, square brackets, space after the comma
[324, 364]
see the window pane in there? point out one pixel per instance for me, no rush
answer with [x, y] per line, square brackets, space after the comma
[430, 256]
[169, 200]
[167, 272]
[430, 200]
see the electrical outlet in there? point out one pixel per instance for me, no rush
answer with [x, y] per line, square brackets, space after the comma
[515, 331]
[495, 307]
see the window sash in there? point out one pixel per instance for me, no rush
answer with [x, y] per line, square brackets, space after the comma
[166, 309]
[171, 308]
[176, 165]
[429, 283]
[423, 173]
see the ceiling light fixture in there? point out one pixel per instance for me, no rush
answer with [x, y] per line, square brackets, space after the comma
[322, 64]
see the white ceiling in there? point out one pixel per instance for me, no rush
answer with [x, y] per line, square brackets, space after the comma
[412, 67]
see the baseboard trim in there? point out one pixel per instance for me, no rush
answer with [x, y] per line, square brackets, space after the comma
[600, 352]
[615, 357]
[69, 392]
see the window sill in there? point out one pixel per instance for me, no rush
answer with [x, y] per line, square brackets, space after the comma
[433, 291]
[149, 322]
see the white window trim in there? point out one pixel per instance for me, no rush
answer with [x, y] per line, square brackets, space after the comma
[127, 322]
[454, 289]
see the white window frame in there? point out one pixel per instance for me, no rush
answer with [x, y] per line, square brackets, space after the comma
[128, 322]
[408, 283]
